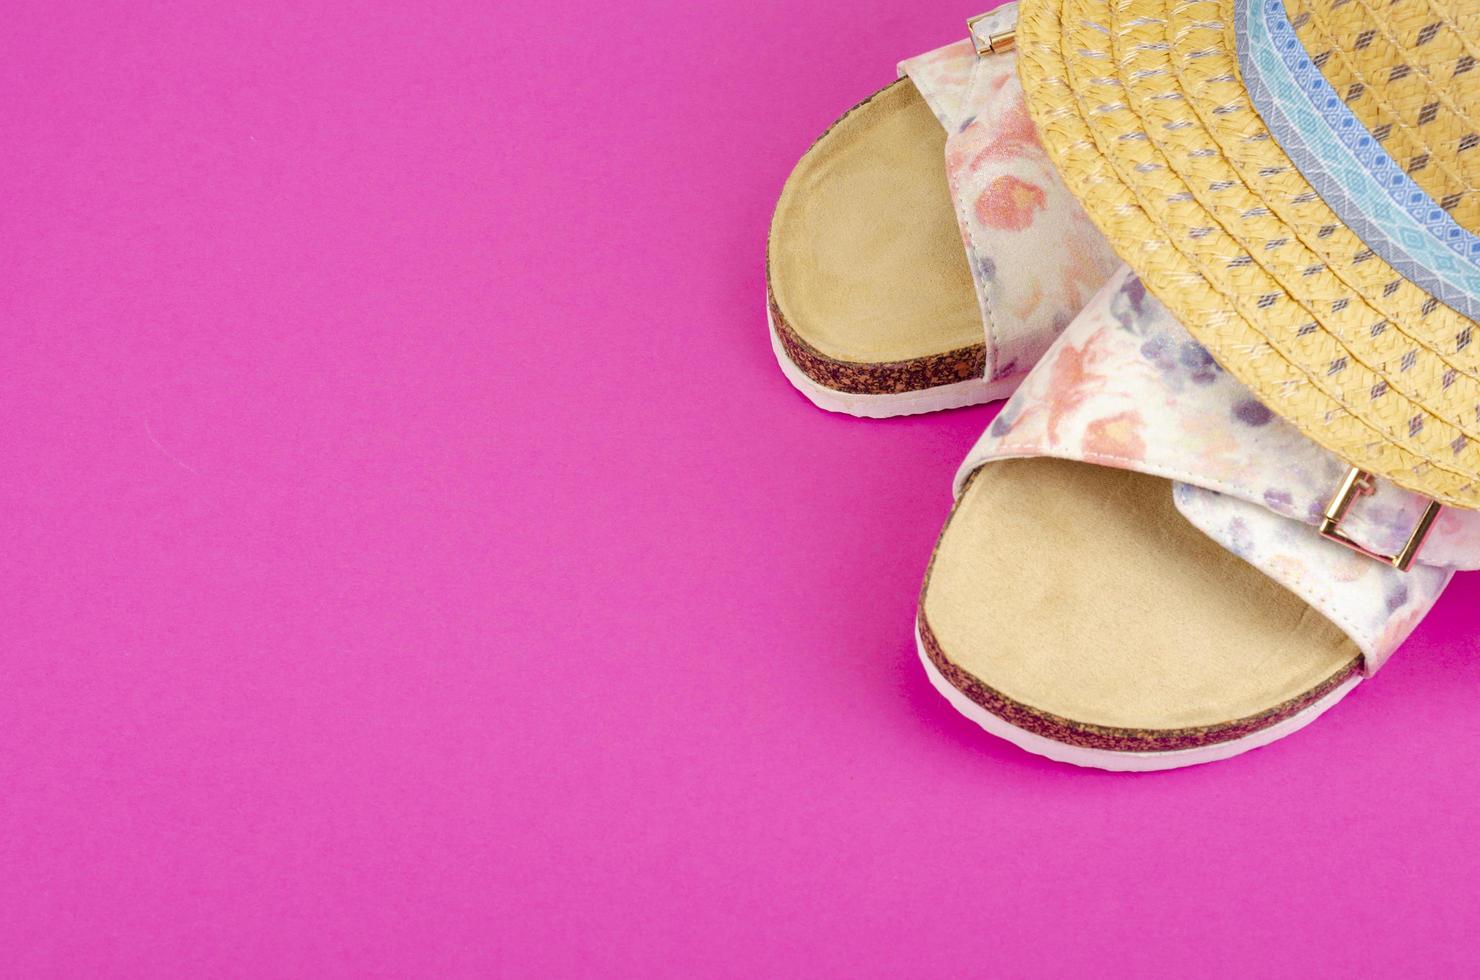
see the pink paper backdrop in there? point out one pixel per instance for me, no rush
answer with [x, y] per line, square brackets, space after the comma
[414, 563]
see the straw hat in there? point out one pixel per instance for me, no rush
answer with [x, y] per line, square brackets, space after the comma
[1297, 181]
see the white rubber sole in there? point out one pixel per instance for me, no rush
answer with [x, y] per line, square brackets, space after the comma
[1124, 761]
[977, 391]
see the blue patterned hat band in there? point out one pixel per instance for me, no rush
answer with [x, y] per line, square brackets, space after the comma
[1346, 163]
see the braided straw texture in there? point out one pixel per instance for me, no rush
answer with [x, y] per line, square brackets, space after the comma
[1408, 70]
[1141, 106]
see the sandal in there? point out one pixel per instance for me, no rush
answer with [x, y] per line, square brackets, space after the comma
[1145, 568]
[875, 307]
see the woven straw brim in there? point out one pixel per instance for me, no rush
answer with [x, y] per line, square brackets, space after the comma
[1141, 105]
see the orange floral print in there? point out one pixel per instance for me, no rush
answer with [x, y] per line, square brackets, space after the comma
[1013, 138]
[1073, 380]
[1009, 203]
[1116, 437]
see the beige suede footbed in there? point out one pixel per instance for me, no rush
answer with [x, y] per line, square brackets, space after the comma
[1076, 602]
[865, 264]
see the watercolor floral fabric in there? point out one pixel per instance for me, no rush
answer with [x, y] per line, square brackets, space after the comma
[1126, 386]
[1035, 256]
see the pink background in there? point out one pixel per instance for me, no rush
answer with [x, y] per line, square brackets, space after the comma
[414, 561]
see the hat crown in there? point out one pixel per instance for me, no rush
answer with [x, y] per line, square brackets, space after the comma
[1407, 71]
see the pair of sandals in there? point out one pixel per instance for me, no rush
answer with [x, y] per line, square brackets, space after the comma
[1137, 572]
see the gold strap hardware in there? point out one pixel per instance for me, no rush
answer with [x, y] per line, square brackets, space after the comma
[991, 43]
[1358, 483]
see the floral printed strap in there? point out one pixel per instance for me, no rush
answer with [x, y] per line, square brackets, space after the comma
[1374, 604]
[1126, 386]
[1035, 256]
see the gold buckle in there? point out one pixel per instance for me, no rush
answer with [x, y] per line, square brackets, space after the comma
[992, 43]
[1358, 483]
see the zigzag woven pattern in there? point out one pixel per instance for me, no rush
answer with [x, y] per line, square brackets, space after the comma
[1141, 104]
